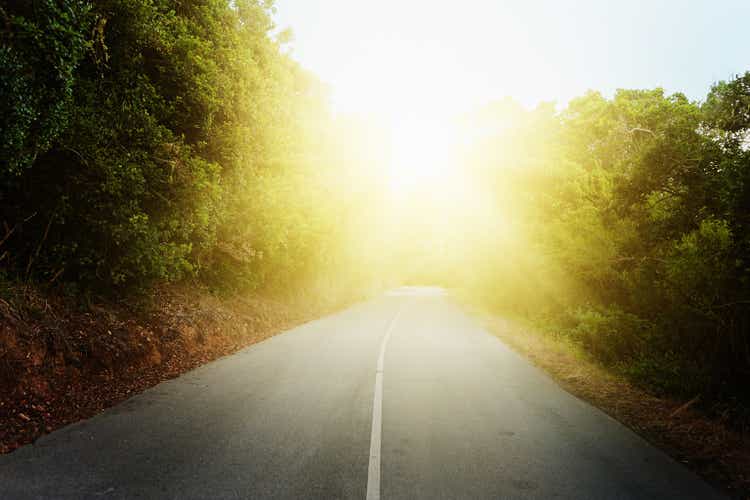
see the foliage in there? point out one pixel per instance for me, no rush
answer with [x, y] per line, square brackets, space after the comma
[40, 50]
[158, 140]
[638, 212]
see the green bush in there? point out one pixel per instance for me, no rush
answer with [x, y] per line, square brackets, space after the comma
[611, 335]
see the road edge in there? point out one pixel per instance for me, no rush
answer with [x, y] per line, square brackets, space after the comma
[708, 447]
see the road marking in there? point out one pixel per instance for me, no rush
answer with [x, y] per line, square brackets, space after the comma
[373, 470]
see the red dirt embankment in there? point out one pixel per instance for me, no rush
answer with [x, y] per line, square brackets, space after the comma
[60, 363]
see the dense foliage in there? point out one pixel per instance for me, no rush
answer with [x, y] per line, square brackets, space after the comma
[154, 140]
[630, 230]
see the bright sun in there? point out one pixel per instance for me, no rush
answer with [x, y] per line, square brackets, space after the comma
[421, 154]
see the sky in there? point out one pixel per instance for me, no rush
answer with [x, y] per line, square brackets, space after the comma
[420, 57]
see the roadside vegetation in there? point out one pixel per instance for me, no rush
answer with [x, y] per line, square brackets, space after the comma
[623, 224]
[157, 141]
[149, 146]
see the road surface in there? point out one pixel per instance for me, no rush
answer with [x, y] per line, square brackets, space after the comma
[400, 397]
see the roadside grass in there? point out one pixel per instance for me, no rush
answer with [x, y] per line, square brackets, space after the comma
[707, 445]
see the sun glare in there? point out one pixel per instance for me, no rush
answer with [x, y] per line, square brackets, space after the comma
[421, 154]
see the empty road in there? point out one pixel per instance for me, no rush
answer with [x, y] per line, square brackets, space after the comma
[400, 397]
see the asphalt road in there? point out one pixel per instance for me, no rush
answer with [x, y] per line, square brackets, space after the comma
[455, 414]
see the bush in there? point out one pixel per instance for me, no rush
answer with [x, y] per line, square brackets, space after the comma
[611, 335]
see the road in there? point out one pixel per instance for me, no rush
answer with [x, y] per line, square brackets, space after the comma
[450, 413]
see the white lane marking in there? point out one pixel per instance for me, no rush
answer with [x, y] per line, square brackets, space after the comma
[373, 470]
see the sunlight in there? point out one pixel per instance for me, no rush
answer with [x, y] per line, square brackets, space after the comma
[421, 154]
